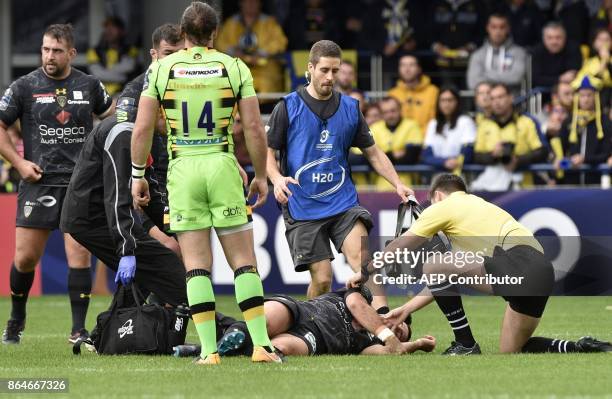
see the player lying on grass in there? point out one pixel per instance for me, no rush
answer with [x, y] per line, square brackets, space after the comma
[473, 224]
[337, 323]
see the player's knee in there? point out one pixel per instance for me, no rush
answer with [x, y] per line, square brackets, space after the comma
[25, 261]
[321, 285]
[430, 268]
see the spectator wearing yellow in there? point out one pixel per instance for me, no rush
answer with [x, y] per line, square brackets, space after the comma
[598, 65]
[415, 92]
[506, 142]
[259, 41]
[113, 61]
[400, 138]
[587, 140]
[449, 140]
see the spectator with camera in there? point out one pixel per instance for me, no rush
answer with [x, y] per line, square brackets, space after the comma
[506, 142]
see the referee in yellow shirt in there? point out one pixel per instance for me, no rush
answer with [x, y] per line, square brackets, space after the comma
[492, 253]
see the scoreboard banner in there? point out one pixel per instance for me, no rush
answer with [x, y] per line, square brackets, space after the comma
[581, 219]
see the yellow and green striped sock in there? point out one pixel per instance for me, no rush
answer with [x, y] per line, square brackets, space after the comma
[202, 303]
[249, 295]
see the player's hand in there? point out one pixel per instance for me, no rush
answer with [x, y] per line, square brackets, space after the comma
[29, 171]
[355, 281]
[281, 191]
[259, 187]
[396, 317]
[126, 270]
[403, 191]
[243, 175]
[140, 193]
[426, 343]
[394, 346]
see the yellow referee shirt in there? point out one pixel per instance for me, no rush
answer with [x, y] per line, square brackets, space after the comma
[473, 224]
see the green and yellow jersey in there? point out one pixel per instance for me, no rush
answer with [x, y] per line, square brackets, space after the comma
[198, 89]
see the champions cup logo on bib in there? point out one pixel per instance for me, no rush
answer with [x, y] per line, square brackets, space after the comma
[198, 72]
[321, 177]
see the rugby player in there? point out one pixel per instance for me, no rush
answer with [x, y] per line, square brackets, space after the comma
[54, 104]
[313, 129]
[107, 226]
[166, 40]
[508, 248]
[337, 323]
[199, 89]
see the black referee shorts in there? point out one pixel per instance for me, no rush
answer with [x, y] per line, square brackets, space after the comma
[158, 269]
[309, 239]
[530, 297]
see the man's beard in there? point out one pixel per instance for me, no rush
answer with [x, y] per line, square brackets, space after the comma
[324, 90]
[55, 72]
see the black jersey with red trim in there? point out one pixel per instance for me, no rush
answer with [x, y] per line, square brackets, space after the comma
[56, 117]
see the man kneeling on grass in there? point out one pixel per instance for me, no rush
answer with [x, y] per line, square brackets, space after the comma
[509, 250]
[337, 323]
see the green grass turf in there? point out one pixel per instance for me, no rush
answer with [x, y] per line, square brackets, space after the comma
[45, 353]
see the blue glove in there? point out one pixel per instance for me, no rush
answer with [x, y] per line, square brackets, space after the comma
[127, 268]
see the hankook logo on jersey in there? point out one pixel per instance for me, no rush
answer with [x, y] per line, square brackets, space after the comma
[198, 72]
[47, 200]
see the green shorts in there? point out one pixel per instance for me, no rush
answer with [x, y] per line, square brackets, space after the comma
[206, 191]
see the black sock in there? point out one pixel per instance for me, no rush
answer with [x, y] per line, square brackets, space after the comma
[79, 291]
[549, 345]
[20, 288]
[449, 301]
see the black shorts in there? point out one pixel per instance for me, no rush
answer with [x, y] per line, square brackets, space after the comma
[39, 206]
[158, 269]
[531, 295]
[309, 239]
[303, 325]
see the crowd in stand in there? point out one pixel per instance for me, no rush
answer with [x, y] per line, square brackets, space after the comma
[485, 47]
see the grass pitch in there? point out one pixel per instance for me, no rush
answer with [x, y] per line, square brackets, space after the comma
[44, 352]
